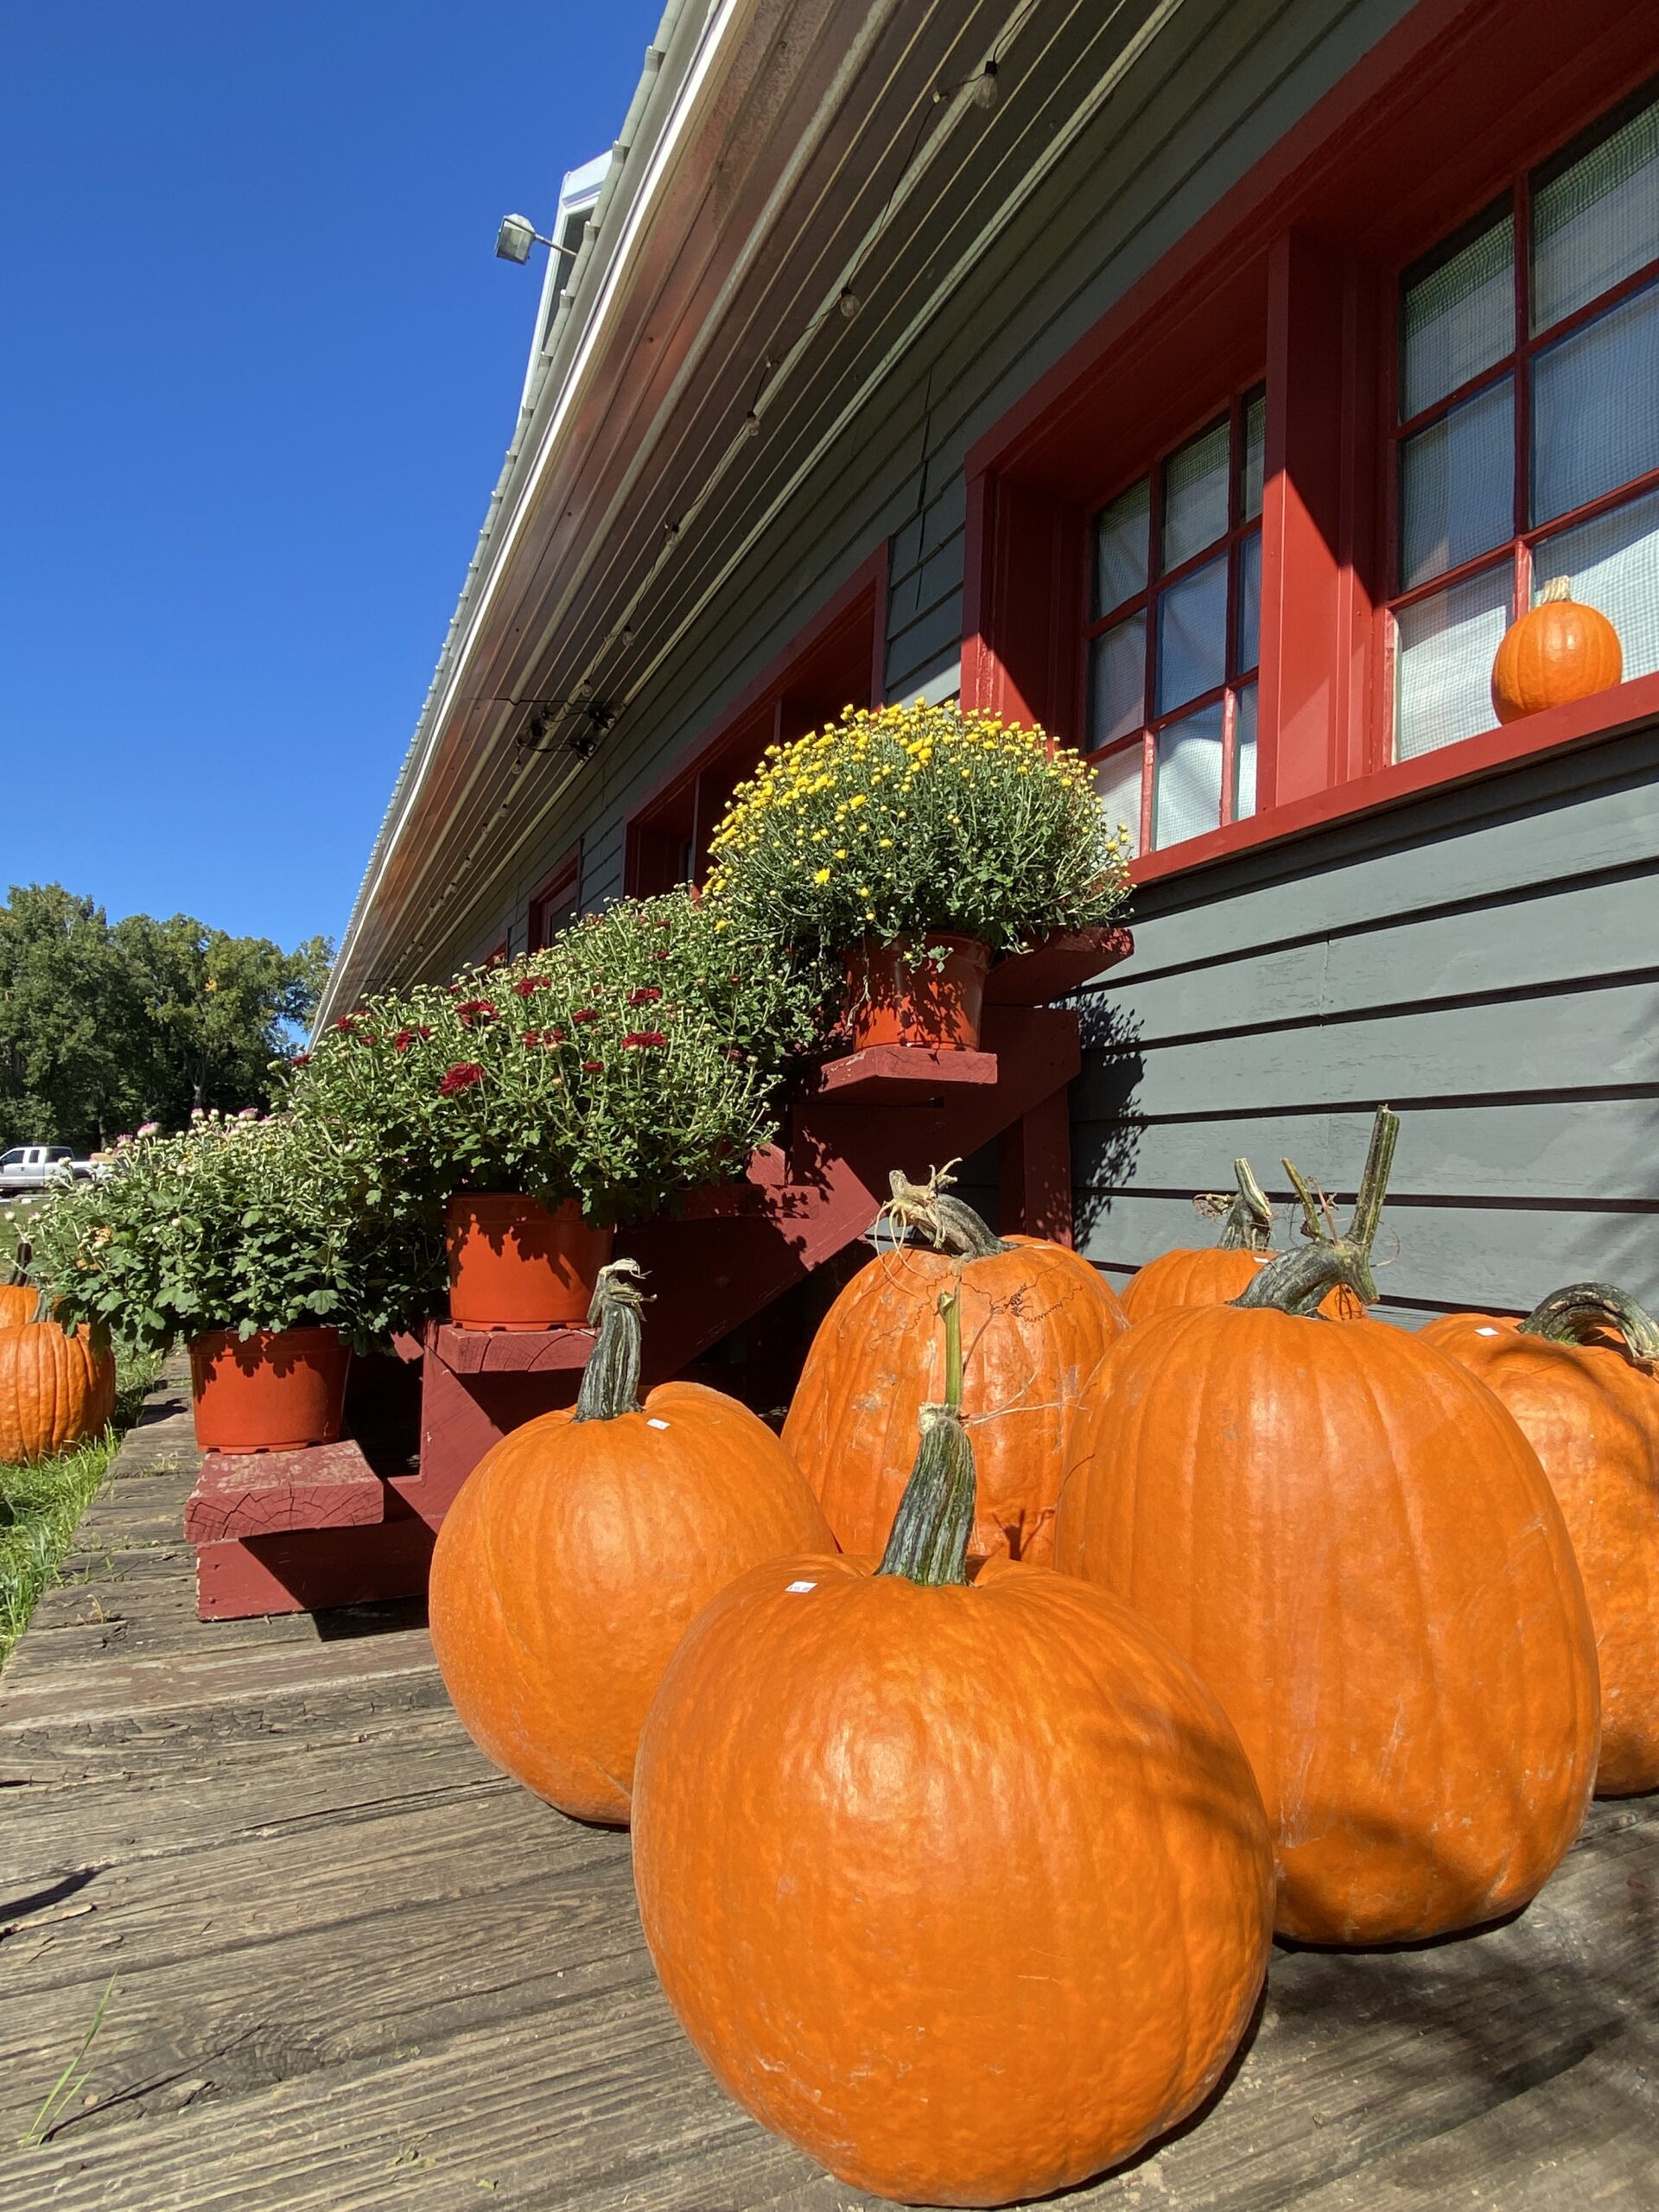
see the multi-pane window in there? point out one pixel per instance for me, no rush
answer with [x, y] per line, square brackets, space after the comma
[1527, 445]
[1175, 611]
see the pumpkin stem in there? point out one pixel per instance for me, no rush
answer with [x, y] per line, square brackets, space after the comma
[610, 1382]
[950, 1224]
[1316, 1212]
[1555, 593]
[1583, 1310]
[929, 1542]
[1296, 1281]
[1247, 1223]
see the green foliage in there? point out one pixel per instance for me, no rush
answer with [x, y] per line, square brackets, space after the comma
[236, 1223]
[891, 823]
[636, 1058]
[41, 1505]
[104, 1026]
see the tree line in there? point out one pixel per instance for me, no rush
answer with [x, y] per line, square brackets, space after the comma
[107, 1025]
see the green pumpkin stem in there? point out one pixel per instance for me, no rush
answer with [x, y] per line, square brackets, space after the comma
[610, 1382]
[929, 1542]
[1247, 1225]
[1296, 1282]
[1584, 1310]
[950, 1225]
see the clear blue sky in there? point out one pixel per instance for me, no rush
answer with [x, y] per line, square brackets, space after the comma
[259, 370]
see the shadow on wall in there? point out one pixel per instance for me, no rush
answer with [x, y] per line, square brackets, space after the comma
[1106, 1142]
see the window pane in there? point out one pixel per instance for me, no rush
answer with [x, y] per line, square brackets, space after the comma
[1117, 780]
[1443, 664]
[1186, 781]
[1613, 562]
[1193, 635]
[1595, 224]
[1248, 644]
[1123, 544]
[1253, 463]
[1195, 495]
[1456, 496]
[1117, 681]
[1244, 754]
[1595, 408]
[1457, 320]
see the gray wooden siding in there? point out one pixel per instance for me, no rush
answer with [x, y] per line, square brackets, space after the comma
[1485, 960]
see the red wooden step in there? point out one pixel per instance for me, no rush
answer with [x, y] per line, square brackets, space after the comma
[899, 1075]
[1059, 965]
[258, 1493]
[508, 1351]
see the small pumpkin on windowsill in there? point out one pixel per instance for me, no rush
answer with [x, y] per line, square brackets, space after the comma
[1559, 650]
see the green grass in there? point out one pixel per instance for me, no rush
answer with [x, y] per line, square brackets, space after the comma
[40, 1506]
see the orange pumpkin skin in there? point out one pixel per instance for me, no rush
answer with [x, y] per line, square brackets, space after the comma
[56, 1390]
[1214, 1276]
[966, 1890]
[1558, 650]
[1593, 1417]
[1356, 1546]
[19, 1302]
[574, 1559]
[1036, 1318]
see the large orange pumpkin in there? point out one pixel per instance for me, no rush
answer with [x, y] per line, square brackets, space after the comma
[20, 1302]
[964, 1888]
[1580, 1376]
[580, 1547]
[1352, 1541]
[1036, 1318]
[1215, 1275]
[56, 1390]
[1558, 650]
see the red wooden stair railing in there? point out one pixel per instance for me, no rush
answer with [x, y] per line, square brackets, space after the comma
[305, 1530]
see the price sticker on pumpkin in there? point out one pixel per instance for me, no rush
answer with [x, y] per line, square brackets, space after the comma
[652, 1421]
[800, 1587]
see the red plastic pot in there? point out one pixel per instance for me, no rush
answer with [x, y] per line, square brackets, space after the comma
[515, 1265]
[278, 1391]
[891, 1000]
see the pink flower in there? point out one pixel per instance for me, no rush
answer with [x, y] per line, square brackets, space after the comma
[248, 1114]
[151, 1128]
[643, 995]
[638, 1040]
[461, 1076]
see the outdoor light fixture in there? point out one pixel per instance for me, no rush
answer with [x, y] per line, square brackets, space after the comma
[518, 234]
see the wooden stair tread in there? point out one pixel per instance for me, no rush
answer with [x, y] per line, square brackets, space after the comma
[1061, 964]
[898, 1075]
[263, 1493]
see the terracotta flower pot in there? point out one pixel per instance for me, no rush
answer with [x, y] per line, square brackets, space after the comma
[279, 1391]
[514, 1265]
[891, 1001]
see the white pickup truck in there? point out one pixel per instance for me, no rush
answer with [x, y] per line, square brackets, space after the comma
[33, 1167]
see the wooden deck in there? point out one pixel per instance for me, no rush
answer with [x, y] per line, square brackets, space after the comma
[353, 1967]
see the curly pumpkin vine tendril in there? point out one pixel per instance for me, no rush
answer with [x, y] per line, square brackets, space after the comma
[950, 1225]
[1585, 1310]
[1296, 1281]
[610, 1382]
[929, 1542]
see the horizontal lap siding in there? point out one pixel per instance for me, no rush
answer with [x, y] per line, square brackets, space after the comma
[1485, 960]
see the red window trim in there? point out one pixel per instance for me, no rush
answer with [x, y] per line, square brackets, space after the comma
[1417, 138]
[857, 611]
[564, 876]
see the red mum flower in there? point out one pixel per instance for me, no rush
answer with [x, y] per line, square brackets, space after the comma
[661, 953]
[586, 1014]
[643, 995]
[346, 1021]
[552, 1036]
[476, 1009]
[461, 1076]
[301, 1060]
[526, 984]
[593, 1067]
[637, 1040]
[532, 1036]
[406, 1038]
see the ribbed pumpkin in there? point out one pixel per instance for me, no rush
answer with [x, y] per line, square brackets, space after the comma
[582, 1547]
[1352, 1541]
[19, 1302]
[1558, 650]
[1580, 1376]
[56, 1390]
[1036, 1318]
[1214, 1275]
[964, 1888]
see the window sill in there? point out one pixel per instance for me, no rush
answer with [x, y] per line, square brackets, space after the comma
[1582, 721]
